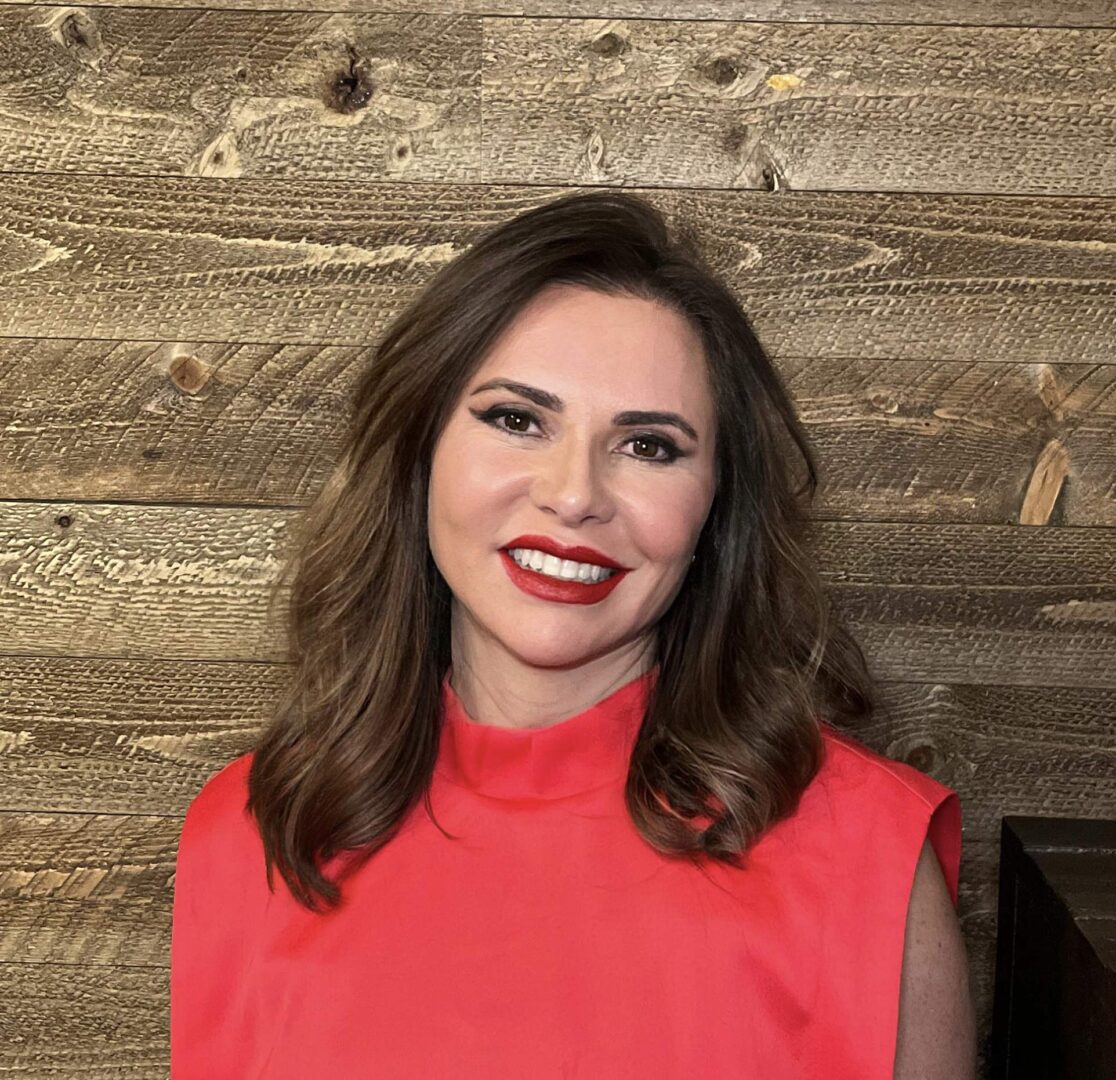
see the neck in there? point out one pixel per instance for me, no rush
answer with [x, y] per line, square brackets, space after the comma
[502, 690]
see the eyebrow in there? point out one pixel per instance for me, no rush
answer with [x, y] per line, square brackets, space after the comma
[629, 418]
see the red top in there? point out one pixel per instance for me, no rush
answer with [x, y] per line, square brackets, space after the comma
[550, 940]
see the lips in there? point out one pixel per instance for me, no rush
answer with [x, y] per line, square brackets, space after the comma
[575, 552]
[559, 590]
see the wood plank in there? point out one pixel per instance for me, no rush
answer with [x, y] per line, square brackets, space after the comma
[996, 443]
[953, 603]
[88, 890]
[120, 736]
[967, 279]
[67, 1020]
[856, 107]
[976, 604]
[223, 93]
[664, 102]
[140, 736]
[106, 580]
[1024, 13]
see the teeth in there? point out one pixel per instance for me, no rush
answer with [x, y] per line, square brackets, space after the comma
[566, 569]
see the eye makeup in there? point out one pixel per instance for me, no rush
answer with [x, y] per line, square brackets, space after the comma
[493, 415]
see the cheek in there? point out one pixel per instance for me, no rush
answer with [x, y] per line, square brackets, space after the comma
[462, 501]
[667, 526]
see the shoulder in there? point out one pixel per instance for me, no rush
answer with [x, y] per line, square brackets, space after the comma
[861, 765]
[894, 807]
[217, 818]
[224, 786]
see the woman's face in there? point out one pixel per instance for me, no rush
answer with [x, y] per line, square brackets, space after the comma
[574, 473]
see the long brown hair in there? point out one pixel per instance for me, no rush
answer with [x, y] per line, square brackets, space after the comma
[750, 654]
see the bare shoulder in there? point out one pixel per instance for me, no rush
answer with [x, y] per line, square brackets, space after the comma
[937, 1022]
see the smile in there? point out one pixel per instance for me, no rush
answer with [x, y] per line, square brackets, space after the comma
[564, 569]
[563, 584]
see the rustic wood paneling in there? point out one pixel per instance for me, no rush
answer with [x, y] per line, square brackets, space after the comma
[62, 1021]
[119, 736]
[996, 604]
[123, 736]
[92, 890]
[1025, 13]
[960, 278]
[103, 579]
[208, 216]
[851, 106]
[212, 93]
[992, 443]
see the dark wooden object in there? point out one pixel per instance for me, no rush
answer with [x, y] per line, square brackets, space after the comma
[1054, 1009]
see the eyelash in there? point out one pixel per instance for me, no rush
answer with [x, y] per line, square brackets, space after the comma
[490, 416]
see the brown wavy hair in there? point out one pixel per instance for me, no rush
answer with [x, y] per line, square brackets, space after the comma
[750, 653]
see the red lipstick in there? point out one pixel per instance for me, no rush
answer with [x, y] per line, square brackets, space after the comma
[555, 589]
[576, 552]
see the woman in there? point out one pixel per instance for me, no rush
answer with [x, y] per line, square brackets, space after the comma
[556, 788]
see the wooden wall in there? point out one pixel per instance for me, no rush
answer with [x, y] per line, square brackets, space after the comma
[208, 215]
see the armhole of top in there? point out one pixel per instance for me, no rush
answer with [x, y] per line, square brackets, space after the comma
[944, 833]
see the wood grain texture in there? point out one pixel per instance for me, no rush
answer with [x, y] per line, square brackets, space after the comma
[136, 736]
[212, 93]
[851, 107]
[855, 106]
[1024, 13]
[119, 736]
[133, 580]
[209, 215]
[991, 443]
[1018, 606]
[83, 1020]
[959, 278]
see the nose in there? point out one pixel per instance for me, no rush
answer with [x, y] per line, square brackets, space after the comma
[571, 482]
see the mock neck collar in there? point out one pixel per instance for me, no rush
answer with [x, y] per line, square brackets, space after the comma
[586, 750]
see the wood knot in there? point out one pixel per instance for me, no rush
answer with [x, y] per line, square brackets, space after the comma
[609, 44]
[773, 177]
[722, 71]
[188, 373]
[920, 752]
[77, 30]
[72, 32]
[884, 400]
[352, 89]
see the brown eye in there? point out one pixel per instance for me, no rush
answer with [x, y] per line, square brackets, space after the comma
[670, 451]
[504, 418]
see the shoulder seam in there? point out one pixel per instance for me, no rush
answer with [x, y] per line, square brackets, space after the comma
[853, 749]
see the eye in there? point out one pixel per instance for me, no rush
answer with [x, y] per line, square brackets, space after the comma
[493, 416]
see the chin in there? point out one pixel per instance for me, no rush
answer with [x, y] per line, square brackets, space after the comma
[548, 651]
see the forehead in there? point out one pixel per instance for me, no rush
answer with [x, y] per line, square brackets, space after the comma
[613, 351]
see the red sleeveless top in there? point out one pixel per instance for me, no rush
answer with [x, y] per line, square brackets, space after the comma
[549, 939]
